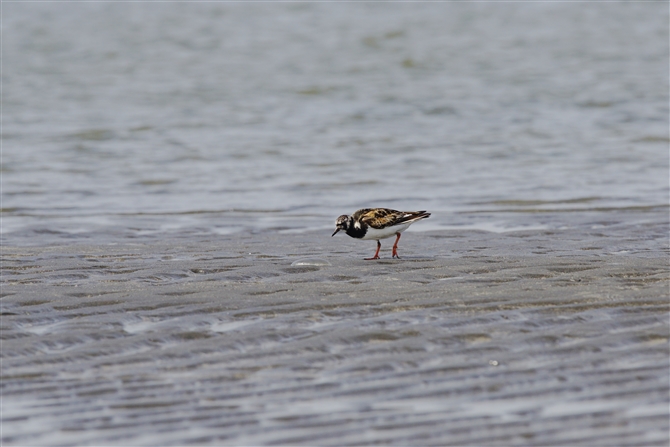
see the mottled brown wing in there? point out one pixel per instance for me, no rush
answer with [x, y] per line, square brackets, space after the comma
[384, 217]
[381, 217]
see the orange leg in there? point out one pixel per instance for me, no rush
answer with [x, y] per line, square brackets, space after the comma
[395, 247]
[376, 256]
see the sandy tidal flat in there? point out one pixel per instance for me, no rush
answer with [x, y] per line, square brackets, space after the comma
[473, 338]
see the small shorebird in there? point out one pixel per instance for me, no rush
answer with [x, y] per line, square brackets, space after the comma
[378, 223]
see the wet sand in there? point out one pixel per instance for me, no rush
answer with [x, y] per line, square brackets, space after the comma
[473, 338]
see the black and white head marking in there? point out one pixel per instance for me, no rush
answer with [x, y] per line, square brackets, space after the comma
[342, 223]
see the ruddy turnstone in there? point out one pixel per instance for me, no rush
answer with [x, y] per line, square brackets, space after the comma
[378, 223]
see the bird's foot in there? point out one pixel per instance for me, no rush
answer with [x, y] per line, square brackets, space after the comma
[370, 259]
[395, 246]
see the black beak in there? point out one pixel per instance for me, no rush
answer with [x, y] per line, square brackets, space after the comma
[336, 230]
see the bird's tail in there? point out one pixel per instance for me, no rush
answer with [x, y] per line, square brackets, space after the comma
[413, 216]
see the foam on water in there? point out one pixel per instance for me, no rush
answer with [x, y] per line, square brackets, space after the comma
[311, 261]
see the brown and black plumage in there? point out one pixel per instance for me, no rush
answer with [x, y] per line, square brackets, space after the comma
[378, 223]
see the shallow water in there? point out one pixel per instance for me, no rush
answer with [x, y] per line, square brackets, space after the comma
[224, 117]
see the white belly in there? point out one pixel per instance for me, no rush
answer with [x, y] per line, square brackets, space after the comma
[376, 234]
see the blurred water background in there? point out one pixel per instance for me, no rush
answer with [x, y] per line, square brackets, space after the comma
[141, 118]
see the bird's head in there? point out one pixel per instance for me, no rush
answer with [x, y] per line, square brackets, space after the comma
[342, 223]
